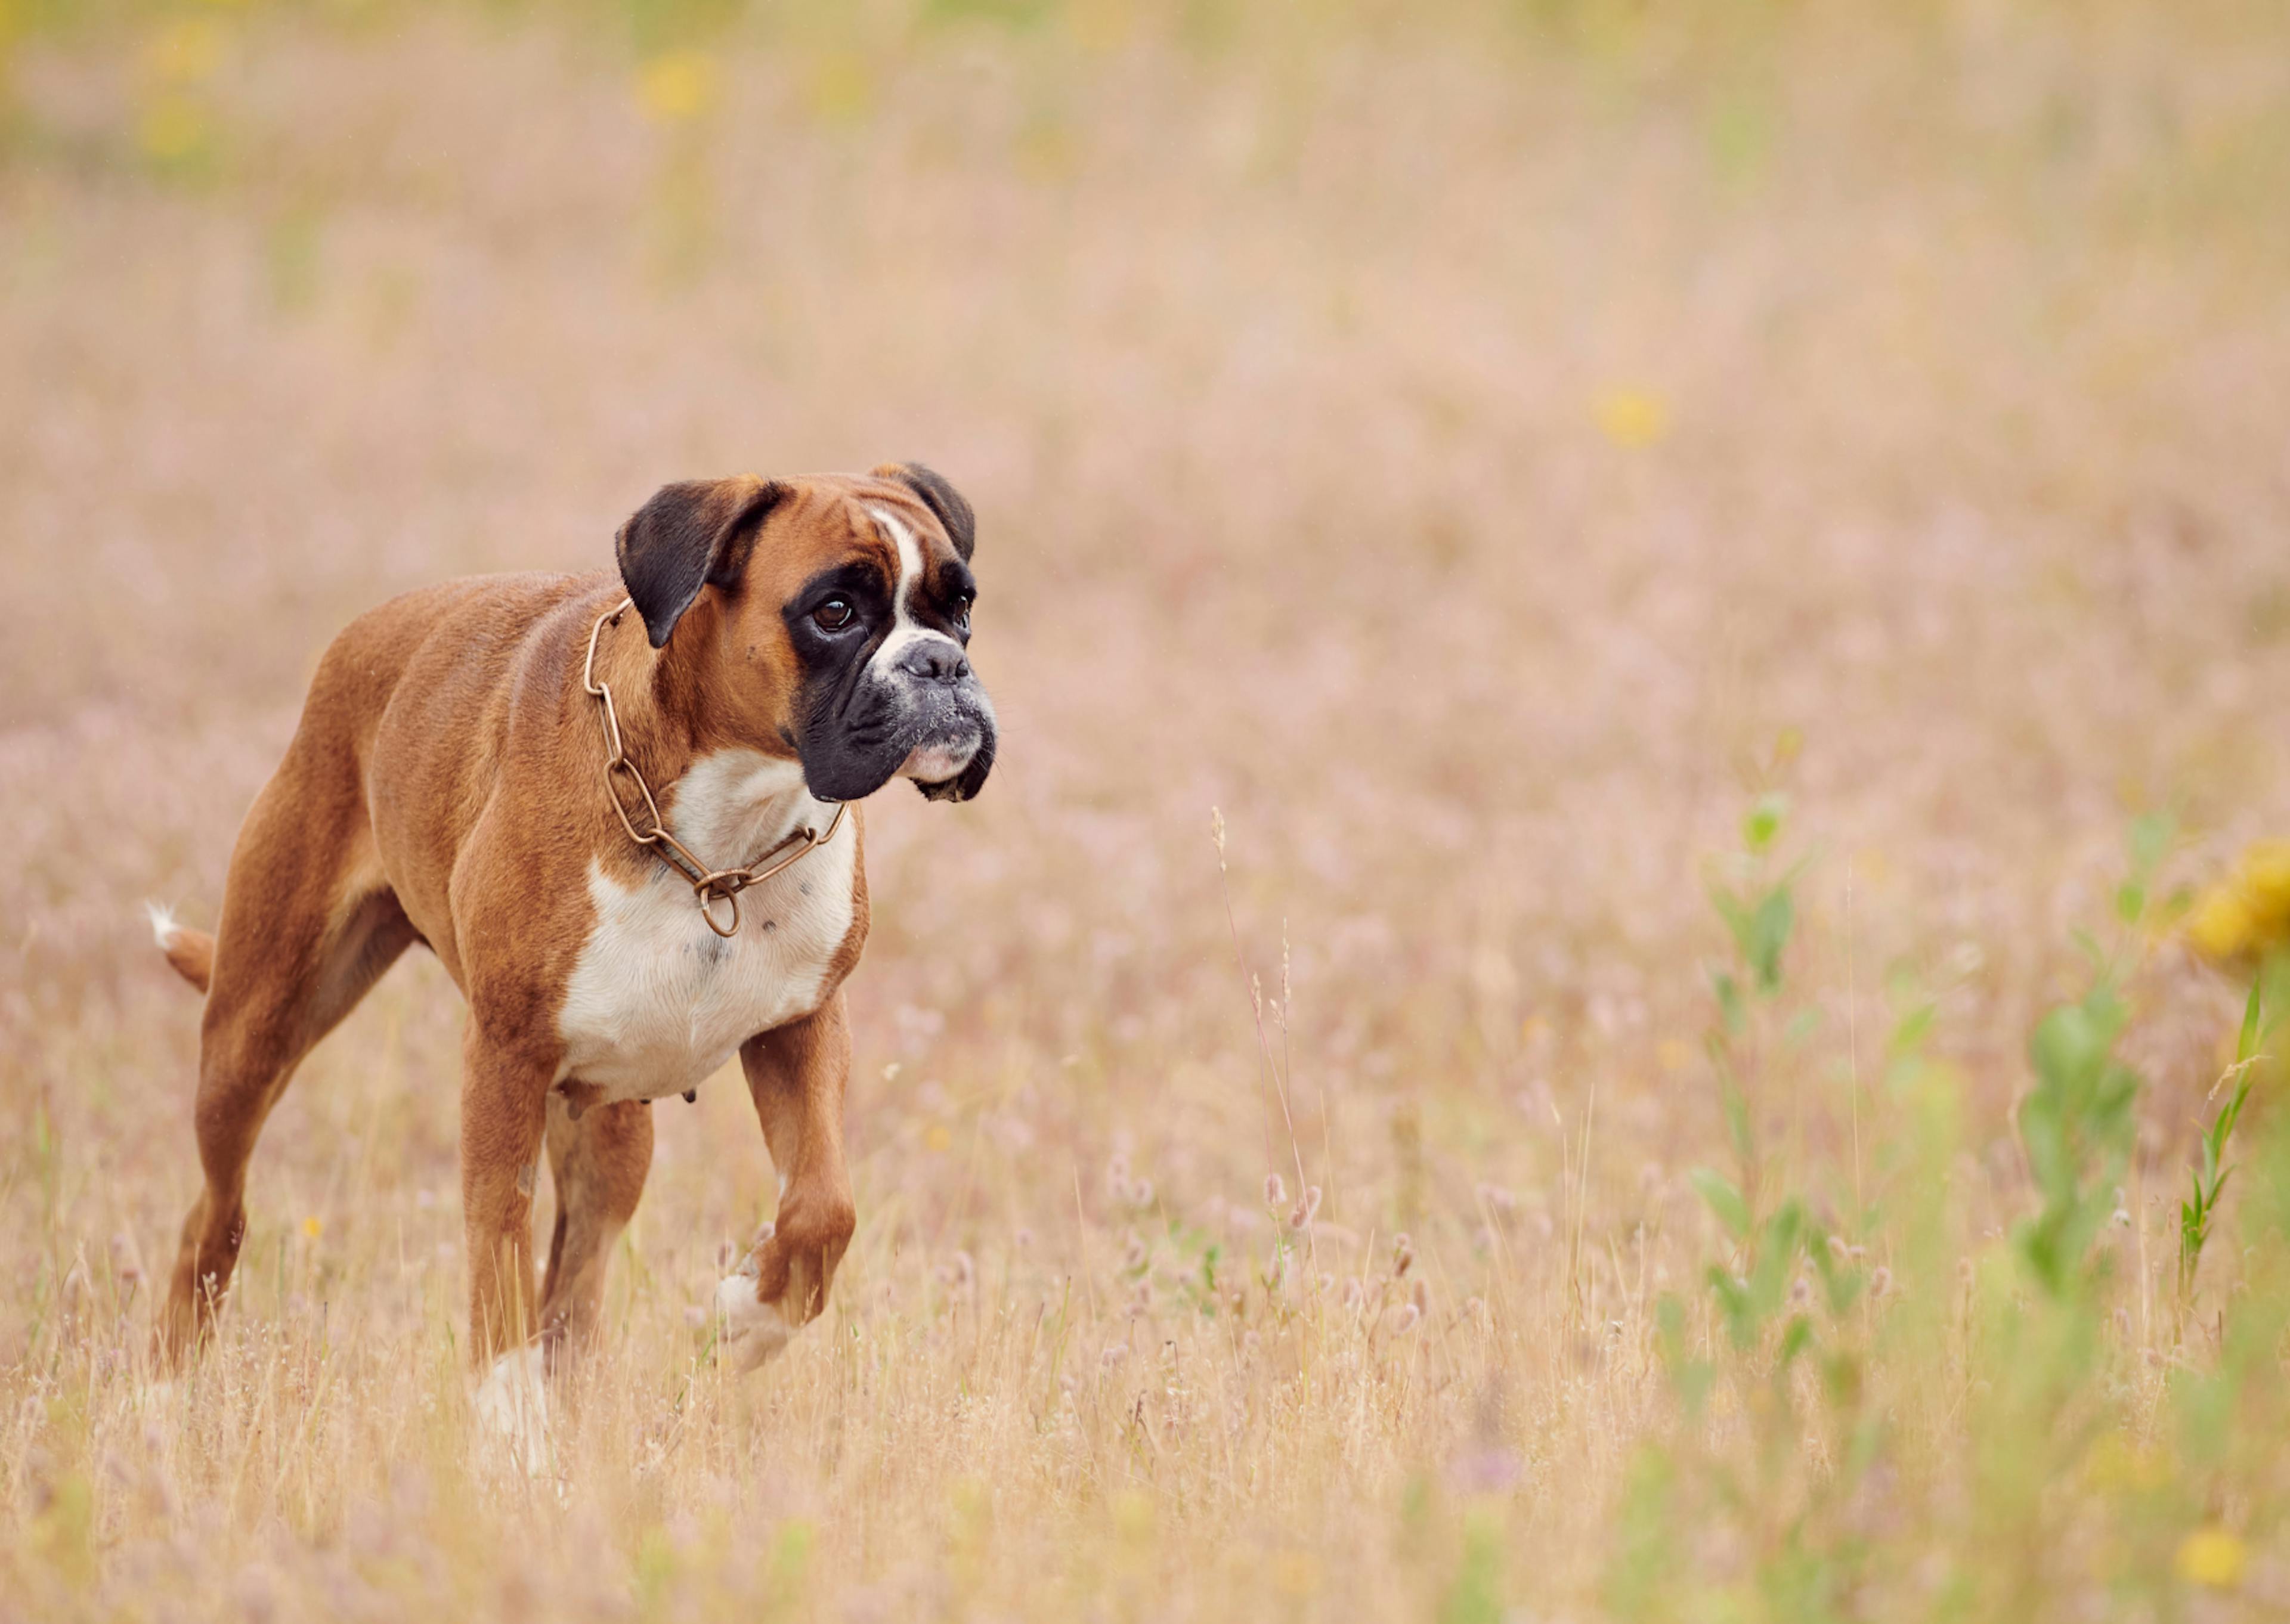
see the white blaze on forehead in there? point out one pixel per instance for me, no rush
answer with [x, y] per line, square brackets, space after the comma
[904, 631]
[910, 559]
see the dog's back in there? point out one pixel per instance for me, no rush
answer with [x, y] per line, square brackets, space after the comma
[349, 696]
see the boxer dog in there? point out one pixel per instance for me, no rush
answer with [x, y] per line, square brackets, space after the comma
[545, 780]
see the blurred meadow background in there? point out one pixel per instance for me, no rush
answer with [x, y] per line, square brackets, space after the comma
[1627, 632]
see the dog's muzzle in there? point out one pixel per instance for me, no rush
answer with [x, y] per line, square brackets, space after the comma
[923, 715]
[953, 748]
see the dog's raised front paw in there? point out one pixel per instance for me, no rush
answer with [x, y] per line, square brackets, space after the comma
[753, 1330]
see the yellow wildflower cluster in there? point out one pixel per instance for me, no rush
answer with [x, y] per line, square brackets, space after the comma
[175, 124]
[1632, 419]
[677, 86]
[2212, 1557]
[2248, 912]
[185, 51]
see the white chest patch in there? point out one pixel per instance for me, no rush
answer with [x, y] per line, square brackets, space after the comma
[657, 1001]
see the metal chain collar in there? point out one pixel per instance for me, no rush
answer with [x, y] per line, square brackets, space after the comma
[708, 883]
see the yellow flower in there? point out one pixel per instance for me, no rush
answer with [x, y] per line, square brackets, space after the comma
[2116, 1465]
[2220, 926]
[839, 89]
[938, 1136]
[171, 128]
[2266, 881]
[1102, 25]
[677, 86]
[1674, 1053]
[2249, 910]
[2212, 1556]
[311, 1226]
[1632, 419]
[185, 52]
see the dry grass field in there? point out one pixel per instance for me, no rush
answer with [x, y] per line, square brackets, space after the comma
[1465, 492]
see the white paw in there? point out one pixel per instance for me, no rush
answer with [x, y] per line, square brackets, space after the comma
[512, 1404]
[164, 928]
[753, 1330]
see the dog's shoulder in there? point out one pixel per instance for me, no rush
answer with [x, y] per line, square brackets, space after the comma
[469, 617]
[456, 639]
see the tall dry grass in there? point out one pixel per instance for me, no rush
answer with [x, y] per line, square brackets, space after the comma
[1474, 454]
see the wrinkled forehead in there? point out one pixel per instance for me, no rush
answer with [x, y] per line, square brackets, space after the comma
[836, 523]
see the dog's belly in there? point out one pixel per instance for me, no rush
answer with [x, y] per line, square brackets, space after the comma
[657, 1001]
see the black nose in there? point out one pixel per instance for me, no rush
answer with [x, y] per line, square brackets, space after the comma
[932, 660]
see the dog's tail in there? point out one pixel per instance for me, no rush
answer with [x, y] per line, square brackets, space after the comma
[190, 952]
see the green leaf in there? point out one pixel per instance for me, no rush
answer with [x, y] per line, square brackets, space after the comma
[2075, 1125]
[1763, 822]
[2151, 842]
[1844, 1286]
[1737, 1117]
[2246, 1044]
[1909, 1032]
[1724, 1199]
[1690, 1376]
[2069, 1047]
[1736, 1305]
[2233, 1112]
[1769, 933]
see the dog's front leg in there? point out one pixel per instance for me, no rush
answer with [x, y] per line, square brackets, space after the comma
[504, 1116]
[797, 1076]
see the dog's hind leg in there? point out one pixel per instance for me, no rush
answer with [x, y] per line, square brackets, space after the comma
[597, 1165]
[307, 926]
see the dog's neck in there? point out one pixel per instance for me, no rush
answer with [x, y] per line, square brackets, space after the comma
[728, 796]
[669, 710]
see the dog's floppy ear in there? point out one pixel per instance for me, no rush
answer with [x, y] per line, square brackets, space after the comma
[941, 499]
[691, 533]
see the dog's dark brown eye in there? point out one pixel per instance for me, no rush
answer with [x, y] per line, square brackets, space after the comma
[834, 614]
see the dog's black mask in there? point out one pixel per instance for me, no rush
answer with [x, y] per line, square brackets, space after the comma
[888, 687]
